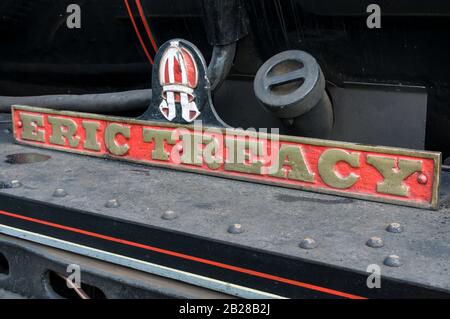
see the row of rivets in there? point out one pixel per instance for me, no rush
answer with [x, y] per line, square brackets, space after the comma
[306, 243]
[373, 242]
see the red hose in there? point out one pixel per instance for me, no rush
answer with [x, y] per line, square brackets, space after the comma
[146, 26]
[141, 41]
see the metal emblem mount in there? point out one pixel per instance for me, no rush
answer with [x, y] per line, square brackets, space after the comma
[180, 85]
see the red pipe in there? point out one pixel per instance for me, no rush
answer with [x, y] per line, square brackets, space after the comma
[141, 41]
[146, 26]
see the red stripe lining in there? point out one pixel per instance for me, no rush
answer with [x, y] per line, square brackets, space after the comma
[187, 257]
[147, 28]
[141, 41]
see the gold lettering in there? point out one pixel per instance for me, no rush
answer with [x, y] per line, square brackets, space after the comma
[211, 152]
[190, 146]
[291, 156]
[91, 142]
[327, 168]
[242, 153]
[394, 177]
[29, 127]
[159, 138]
[62, 130]
[111, 132]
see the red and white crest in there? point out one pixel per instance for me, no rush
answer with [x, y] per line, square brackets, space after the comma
[178, 76]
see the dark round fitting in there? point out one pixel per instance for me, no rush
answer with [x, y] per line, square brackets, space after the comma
[290, 84]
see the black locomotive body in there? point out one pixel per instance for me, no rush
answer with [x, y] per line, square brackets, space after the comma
[401, 67]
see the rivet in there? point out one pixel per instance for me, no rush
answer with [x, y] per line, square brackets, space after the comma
[308, 243]
[393, 261]
[19, 124]
[375, 242]
[15, 184]
[169, 215]
[236, 229]
[394, 228]
[112, 203]
[422, 179]
[60, 192]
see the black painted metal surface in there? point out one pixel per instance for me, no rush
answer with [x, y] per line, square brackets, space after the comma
[31, 268]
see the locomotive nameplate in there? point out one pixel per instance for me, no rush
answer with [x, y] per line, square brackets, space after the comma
[384, 174]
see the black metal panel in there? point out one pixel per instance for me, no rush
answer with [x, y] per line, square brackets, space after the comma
[391, 116]
[269, 272]
[32, 269]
